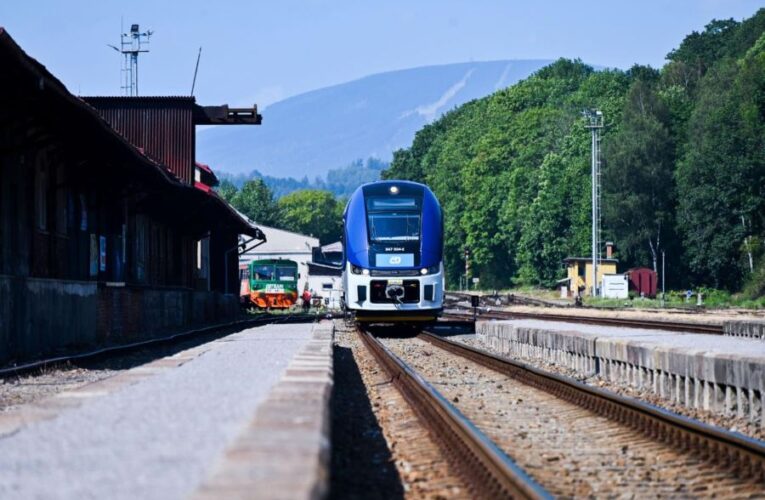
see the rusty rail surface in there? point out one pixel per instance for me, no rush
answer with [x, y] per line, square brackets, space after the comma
[482, 313]
[486, 468]
[742, 455]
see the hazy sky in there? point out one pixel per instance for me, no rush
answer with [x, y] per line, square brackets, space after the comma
[263, 51]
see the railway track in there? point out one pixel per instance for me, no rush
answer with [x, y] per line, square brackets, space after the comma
[489, 471]
[572, 439]
[466, 314]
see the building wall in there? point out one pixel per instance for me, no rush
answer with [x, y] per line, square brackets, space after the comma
[576, 280]
[41, 317]
[162, 126]
[327, 287]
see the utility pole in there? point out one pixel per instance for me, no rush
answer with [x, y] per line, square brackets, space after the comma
[595, 122]
[467, 269]
[662, 278]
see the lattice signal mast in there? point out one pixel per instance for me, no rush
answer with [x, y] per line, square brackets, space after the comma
[595, 122]
[132, 44]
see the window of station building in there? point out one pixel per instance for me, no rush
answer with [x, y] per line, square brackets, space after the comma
[41, 198]
[61, 201]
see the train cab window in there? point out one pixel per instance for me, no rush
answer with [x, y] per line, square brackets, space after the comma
[394, 227]
[393, 218]
[264, 273]
[285, 273]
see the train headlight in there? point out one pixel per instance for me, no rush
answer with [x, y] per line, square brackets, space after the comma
[430, 270]
[359, 270]
[424, 271]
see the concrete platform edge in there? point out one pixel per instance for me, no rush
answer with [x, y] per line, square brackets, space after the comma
[722, 383]
[284, 452]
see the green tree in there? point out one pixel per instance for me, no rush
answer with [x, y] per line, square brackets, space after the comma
[256, 201]
[313, 212]
[713, 185]
[638, 182]
[227, 190]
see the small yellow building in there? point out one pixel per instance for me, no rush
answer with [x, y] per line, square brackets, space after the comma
[579, 273]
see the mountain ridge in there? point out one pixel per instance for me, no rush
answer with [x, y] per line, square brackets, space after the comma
[370, 117]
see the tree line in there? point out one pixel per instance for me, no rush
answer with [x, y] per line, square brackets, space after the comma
[683, 167]
[339, 181]
[314, 212]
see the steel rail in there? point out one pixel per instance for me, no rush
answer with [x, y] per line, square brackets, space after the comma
[487, 469]
[742, 455]
[593, 320]
[118, 349]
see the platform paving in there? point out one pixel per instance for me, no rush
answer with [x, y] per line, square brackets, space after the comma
[720, 373]
[154, 431]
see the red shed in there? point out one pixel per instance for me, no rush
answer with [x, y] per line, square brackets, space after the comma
[643, 281]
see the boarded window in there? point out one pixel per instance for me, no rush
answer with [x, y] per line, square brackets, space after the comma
[41, 198]
[61, 201]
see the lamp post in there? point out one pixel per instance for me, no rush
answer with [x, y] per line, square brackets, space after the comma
[594, 122]
[662, 278]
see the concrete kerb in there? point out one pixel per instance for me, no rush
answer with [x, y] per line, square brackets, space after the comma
[724, 383]
[285, 451]
[745, 328]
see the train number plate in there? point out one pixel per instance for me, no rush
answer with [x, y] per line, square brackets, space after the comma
[274, 288]
[395, 282]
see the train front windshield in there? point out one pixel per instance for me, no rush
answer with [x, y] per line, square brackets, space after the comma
[264, 273]
[393, 219]
[286, 273]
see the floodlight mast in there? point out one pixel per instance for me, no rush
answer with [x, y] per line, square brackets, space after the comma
[132, 44]
[594, 122]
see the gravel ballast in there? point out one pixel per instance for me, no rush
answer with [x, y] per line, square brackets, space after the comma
[380, 448]
[571, 451]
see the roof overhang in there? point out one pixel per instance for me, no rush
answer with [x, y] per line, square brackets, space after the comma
[223, 115]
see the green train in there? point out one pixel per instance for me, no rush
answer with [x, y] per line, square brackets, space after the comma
[270, 284]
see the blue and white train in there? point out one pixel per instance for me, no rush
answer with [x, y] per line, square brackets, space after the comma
[393, 253]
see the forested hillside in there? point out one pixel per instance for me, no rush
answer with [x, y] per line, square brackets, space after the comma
[308, 134]
[684, 166]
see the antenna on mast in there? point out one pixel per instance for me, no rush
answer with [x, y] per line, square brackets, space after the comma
[132, 44]
[194, 82]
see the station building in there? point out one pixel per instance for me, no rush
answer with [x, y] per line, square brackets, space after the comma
[109, 229]
[579, 272]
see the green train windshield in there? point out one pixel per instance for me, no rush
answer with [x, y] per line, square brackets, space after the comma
[273, 276]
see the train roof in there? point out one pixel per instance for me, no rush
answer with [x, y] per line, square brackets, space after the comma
[272, 261]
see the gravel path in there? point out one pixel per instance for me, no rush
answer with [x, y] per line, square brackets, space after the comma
[18, 391]
[380, 449]
[569, 450]
[156, 437]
